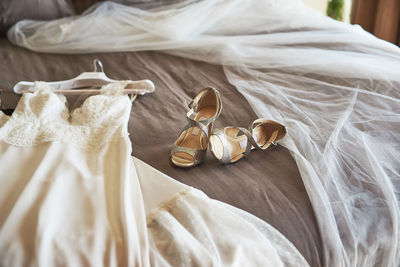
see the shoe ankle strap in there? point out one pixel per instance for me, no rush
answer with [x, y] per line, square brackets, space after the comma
[193, 105]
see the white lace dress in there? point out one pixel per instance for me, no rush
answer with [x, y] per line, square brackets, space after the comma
[72, 195]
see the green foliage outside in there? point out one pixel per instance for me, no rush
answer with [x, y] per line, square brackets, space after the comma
[335, 9]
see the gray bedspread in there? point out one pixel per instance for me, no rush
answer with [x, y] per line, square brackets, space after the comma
[266, 183]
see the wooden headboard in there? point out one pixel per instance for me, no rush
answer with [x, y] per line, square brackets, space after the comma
[379, 17]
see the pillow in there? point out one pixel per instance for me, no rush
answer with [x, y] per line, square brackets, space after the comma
[81, 5]
[12, 11]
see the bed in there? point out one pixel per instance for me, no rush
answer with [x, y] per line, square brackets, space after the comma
[267, 183]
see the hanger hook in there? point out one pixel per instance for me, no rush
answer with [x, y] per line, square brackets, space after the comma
[97, 62]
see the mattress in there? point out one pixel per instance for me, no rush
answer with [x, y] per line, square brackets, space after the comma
[266, 183]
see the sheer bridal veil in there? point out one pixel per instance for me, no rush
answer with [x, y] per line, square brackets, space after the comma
[333, 85]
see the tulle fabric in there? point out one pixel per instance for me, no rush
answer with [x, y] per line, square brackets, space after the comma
[333, 85]
[194, 230]
[190, 229]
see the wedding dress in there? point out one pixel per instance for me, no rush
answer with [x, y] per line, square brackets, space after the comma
[71, 195]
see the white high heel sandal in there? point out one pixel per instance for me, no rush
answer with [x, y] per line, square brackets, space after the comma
[190, 148]
[231, 144]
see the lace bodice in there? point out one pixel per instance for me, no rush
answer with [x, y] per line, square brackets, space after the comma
[43, 116]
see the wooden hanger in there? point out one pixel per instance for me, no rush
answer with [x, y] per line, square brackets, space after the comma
[88, 83]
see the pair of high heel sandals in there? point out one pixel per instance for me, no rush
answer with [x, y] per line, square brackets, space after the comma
[228, 145]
